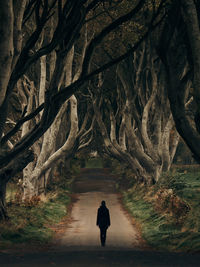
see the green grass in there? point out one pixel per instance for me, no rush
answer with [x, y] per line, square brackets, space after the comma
[161, 230]
[94, 163]
[29, 224]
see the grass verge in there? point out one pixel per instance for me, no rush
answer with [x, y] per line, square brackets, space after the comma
[29, 223]
[165, 222]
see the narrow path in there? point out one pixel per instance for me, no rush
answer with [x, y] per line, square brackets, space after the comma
[82, 230]
[91, 187]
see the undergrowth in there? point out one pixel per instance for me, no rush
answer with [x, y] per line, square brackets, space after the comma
[29, 223]
[169, 212]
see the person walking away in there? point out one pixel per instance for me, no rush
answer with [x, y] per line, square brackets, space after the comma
[103, 221]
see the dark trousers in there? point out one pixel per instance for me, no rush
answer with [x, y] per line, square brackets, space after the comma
[103, 231]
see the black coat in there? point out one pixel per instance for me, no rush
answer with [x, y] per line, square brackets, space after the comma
[103, 217]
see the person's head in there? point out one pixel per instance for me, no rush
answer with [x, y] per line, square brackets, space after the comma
[103, 203]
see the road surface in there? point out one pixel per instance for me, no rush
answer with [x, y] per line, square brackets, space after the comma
[82, 230]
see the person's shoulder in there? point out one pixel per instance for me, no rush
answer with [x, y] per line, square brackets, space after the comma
[106, 209]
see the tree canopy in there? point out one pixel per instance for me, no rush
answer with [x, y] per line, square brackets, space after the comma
[131, 66]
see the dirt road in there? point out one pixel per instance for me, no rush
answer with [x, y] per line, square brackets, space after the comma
[82, 230]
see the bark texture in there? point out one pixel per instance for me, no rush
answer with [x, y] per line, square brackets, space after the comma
[142, 133]
[183, 70]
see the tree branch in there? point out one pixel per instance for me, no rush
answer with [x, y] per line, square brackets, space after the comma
[69, 90]
[106, 31]
[20, 123]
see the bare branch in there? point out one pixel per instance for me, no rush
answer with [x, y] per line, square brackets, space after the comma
[20, 123]
[106, 31]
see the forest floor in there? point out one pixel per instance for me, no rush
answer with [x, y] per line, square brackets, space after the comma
[77, 242]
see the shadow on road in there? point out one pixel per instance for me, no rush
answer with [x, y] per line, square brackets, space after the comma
[100, 257]
[98, 179]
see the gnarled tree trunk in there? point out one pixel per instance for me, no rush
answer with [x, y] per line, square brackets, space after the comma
[142, 132]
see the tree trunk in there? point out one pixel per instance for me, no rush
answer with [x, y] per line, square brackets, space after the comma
[142, 114]
[114, 150]
[65, 150]
[182, 67]
[183, 123]
[8, 172]
[6, 55]
[18, 8]
[3, 212]
[193, 30]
